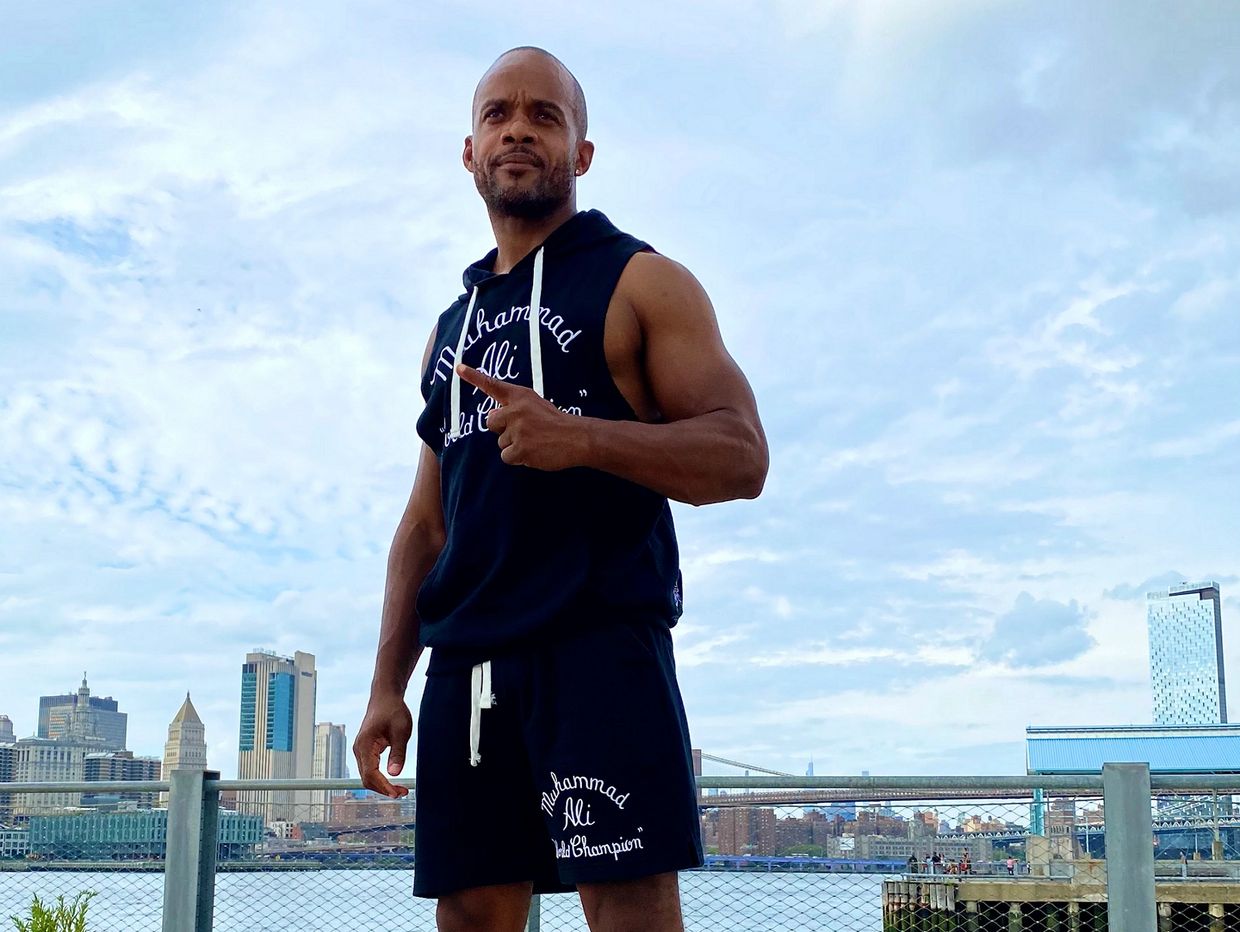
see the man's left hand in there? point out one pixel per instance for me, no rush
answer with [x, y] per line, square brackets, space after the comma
[532, 431]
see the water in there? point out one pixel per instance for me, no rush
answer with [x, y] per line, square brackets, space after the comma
[355, 900]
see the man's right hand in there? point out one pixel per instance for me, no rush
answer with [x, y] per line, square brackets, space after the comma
[387, 724]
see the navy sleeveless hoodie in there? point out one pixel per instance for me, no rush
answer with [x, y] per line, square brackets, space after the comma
[531, 554]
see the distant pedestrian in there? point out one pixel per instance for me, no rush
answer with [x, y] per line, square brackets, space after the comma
[1011, 864]
[912, 864]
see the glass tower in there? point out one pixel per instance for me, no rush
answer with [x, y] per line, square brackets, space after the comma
[276, 737]
[1186, 655]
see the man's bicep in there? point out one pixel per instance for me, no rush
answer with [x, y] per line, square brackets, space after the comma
[688, 368]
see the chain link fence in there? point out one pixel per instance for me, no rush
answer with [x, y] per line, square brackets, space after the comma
[69, 845]
[822, 858]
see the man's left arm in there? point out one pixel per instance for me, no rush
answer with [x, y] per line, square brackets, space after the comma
[710, 446]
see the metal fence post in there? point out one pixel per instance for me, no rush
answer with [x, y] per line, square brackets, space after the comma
[535, 921]
[1130, 849]
[183, 852]
[208, 850]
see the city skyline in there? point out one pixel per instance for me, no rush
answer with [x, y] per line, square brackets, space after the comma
[977, 260]
[329, 749]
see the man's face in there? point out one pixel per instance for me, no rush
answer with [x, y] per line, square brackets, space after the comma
[524, 151]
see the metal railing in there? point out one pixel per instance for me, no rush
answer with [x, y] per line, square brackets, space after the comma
[849, 853]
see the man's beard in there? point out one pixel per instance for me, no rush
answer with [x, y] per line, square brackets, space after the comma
[551, 191]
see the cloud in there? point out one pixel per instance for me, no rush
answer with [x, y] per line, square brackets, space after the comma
[1127, 591]
[1039, 632]
[975, 260]
[1200, 443]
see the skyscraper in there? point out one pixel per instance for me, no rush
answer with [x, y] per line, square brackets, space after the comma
[330, 761]
[277, 732]
[81, 715]
[186, 747]
[8, 763]
[6, 730]
[1186, 655]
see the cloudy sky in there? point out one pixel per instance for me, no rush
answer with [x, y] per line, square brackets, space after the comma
[979, 261]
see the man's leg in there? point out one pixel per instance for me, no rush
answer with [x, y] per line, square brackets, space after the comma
[648, 904]
[499, 908]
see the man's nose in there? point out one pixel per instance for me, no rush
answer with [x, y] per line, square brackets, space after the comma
[519, 131]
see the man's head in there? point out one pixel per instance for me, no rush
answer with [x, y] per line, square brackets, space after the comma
[528, 141]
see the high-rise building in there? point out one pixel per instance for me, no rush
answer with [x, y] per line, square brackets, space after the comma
[1186, 655]
[6, 730]
[119, 765]
[82, 715]
[748, 830]
[47, 760]
[186, 747]
[277, 733]
[330, 761]
[330, 752]
[8, 763]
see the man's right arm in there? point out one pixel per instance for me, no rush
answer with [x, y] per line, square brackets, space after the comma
[415, 547]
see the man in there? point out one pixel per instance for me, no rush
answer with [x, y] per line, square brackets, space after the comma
[577, 385]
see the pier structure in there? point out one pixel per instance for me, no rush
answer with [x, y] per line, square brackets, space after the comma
[1036, 904]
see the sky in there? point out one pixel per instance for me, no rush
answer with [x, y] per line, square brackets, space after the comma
[978, 261]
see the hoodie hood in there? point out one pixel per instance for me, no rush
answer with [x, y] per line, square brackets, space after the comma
[583, 229]
[580, 230]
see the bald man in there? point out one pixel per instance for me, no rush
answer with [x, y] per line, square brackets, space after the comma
[576, 385]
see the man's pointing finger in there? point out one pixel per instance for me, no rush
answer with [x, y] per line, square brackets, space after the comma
[500, 391]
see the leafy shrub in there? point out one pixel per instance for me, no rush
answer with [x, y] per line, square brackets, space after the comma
[60, 918]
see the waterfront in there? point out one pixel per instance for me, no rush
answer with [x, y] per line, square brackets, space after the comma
[325, 900]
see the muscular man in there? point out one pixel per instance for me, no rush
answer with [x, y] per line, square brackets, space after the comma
[577, 384]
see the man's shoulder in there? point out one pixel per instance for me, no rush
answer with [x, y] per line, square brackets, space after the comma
[652, 281]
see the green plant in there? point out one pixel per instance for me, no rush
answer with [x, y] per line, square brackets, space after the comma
[63, 917]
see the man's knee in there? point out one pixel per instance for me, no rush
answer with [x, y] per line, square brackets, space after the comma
[648, 904]
[499, 908]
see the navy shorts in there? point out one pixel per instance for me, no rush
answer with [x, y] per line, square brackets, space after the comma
[584, 771]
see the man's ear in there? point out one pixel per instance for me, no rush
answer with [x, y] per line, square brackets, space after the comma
[467, 156]
[585, 155]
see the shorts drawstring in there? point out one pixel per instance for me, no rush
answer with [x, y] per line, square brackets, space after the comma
[480, 697]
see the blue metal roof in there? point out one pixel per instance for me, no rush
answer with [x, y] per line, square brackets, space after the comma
[1164, 753]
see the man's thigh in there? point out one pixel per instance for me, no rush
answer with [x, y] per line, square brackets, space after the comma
[647, 904]
[610, 753]
[498, 908]
[462, 808]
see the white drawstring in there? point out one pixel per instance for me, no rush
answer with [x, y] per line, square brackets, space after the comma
[454, 428]
[536, 368]
[480, 697]
[536, 374]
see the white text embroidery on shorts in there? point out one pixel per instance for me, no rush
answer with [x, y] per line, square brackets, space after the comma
[594, 784]
[579, 847]
[578, 794]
